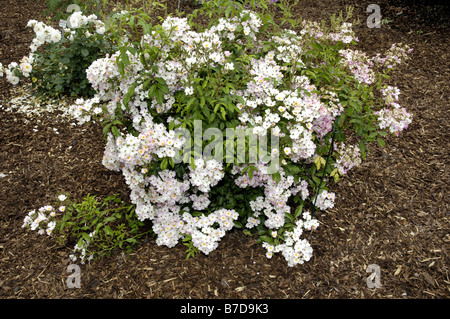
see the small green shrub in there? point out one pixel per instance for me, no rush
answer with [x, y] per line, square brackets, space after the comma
[94, 228]
[60, 69]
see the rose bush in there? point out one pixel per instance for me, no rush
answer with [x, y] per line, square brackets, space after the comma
[58, 60]
[167, 96]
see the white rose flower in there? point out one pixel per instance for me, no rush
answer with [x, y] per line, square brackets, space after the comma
[25, 68]
[13, 79]
[75, 20]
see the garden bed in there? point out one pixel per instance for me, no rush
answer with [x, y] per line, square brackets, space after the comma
[390, 211]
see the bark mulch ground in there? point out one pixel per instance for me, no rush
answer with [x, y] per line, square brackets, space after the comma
[392, 211]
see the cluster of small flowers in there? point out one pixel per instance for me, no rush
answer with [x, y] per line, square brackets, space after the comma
[43, 34]
[206, 174]
[390, 94]
[395, 119]
[153, 141]
[274, 203]
[324, 124]
[205, 231]
[291, 105]
[349, 157]
[82, 110]
[243, 180]
[344, 33]
[110, 158]
[359, 64]
[312, 29]
[165, 190]
[77, 20]
[167, 225]
[14, 70]
[395, 55]
[250, 25]
[325, 200]
[39, 221]
[289, 47]
[44, 219]
[200, 202]
[10, 72]
[98, 74]
[132, 155]
[104, 76]
[294, 249]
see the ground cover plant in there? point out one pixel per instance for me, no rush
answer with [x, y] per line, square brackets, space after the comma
[318, 163]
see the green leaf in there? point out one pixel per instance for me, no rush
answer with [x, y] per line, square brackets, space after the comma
[316, 180]
[106, 128]
[86, 237]
[380, 142]
[108, 231]
[266, 239]
[164, 164]
[362, 148]
[238, 224]
[190, 102]
[224, 113]
[80, 242]
[247, 232]
[115, 131]
[206, 112]
[290, 217]
[159, 97]
[160, 80]
[298, 211]
[109, 219]
[131, 240]
[151, 91]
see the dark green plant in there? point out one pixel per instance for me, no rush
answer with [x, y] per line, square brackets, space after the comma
[60, 68]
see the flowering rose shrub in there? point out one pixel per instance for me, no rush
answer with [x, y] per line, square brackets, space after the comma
[172, 91]
[60, 68]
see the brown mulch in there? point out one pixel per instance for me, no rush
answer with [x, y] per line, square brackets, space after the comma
[392, 211]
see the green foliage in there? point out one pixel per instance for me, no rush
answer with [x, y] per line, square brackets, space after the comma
[60, 69]
[100, 227]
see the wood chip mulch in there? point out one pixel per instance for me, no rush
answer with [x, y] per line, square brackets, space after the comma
[392, 211]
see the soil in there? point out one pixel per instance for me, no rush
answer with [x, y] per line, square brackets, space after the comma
[392, 211]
